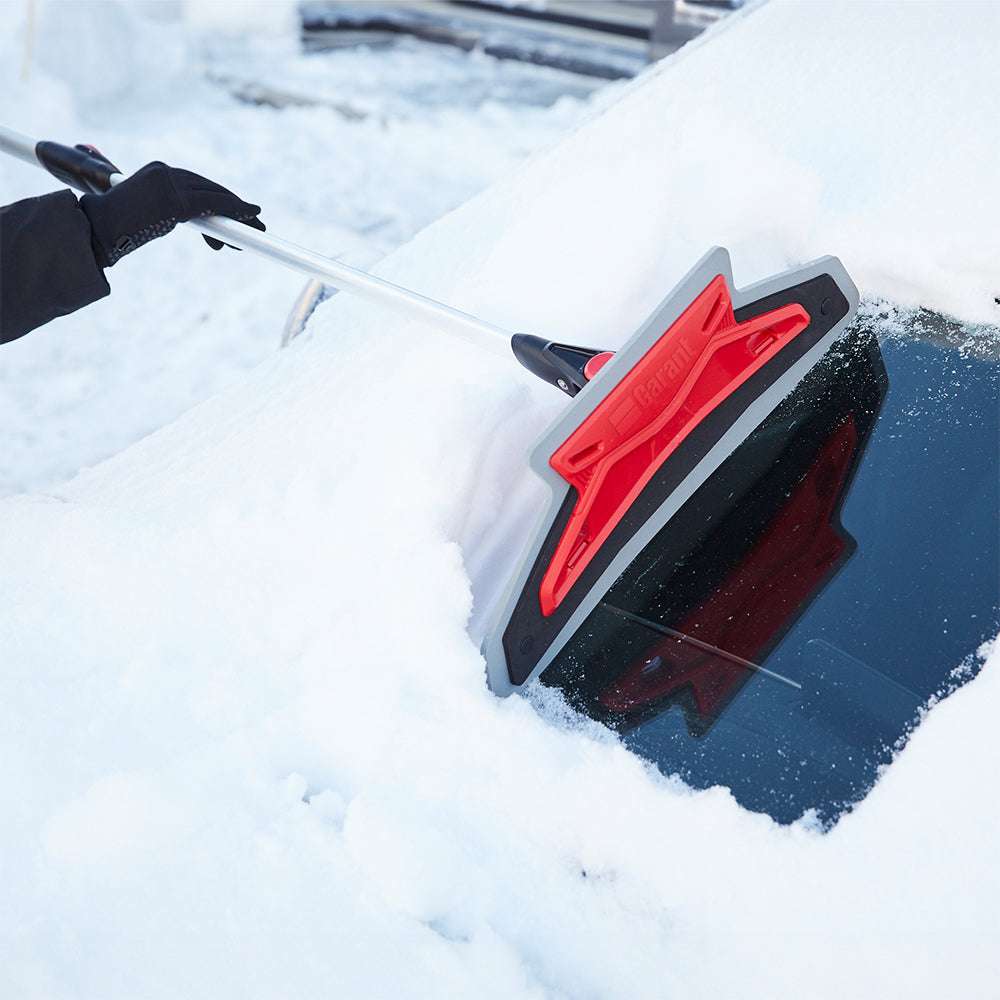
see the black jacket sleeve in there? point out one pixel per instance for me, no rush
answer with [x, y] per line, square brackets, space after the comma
[47, 265]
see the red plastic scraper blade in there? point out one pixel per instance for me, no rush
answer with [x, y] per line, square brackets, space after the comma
[699, 361]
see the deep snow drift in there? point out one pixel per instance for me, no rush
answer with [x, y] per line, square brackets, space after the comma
[247, 746]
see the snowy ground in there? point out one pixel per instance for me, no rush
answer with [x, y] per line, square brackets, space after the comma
[435, 128]
[247, 749]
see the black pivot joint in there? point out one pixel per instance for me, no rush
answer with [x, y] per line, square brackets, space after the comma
[561, 365]
[82, 167]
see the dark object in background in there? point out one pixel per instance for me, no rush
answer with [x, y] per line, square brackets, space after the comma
[610, 40]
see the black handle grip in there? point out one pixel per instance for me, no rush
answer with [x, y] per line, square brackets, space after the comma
[82, 167]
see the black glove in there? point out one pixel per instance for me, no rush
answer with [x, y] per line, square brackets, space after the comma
[150, 203]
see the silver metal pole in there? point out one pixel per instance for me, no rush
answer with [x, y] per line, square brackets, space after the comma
[17, 145]
[411, 304]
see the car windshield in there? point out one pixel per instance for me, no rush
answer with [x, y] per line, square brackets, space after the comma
[782, 633]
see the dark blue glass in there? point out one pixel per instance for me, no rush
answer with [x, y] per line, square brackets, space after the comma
[782, 633]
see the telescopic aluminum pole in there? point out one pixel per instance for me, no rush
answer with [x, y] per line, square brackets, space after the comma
[409, 303]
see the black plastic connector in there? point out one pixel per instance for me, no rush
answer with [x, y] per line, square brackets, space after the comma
[82, 167]
[561, 365]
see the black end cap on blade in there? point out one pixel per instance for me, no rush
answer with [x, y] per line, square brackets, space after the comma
[561, 365]
[81, 167]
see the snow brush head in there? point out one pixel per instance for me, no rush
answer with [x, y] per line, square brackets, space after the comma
[653, 423]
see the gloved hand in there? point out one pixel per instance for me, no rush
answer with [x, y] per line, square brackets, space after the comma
[150, 203]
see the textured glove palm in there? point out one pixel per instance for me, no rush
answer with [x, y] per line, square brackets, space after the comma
[150, 203]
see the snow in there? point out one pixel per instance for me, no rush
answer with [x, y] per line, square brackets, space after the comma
[179, 327]
[247, 748]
